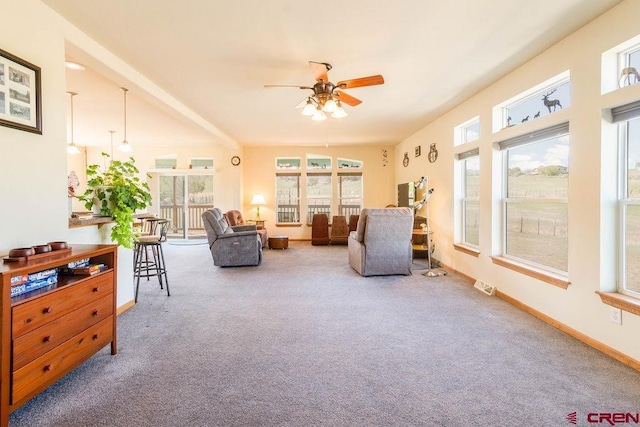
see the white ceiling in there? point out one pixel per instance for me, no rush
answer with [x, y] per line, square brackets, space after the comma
[216, 56]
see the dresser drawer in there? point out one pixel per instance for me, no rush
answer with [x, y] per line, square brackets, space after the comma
[33, 314]
[37, 375]
[34, 344]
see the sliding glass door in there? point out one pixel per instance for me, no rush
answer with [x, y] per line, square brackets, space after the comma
[183, 197]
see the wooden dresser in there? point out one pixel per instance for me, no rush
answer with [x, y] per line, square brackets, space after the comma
[46, 333]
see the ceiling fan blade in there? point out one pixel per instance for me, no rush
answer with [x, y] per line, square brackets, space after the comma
[347, 99]
[298, 86]
[362, 81]
[319, 70]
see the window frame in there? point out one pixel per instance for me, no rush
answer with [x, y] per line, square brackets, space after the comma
[297, 207]
[537, 136]
[622, 116]
[339, 183]
[329, 197]
[464, 198]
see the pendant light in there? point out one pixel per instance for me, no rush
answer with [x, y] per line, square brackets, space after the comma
[72, 148]
[125, 146]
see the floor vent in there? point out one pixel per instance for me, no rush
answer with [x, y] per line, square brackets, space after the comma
[484, 288]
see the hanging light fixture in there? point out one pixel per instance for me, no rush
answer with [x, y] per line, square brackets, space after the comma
[72, 148]
[112, 132]
[124, 145]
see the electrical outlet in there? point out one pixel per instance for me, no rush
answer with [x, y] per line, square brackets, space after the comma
[616, 315]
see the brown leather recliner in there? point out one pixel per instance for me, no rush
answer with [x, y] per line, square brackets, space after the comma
[320, 229]
[234, 218]
[339, 230]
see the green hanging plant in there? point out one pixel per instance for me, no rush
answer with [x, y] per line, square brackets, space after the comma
[119, 193]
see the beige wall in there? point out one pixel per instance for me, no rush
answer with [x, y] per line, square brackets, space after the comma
[259, 169]
[591, 182]
[33, 167]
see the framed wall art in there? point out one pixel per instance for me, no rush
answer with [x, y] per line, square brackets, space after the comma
[20, 94]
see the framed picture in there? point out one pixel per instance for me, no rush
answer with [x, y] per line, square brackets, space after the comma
[418, 151]
[20, 94]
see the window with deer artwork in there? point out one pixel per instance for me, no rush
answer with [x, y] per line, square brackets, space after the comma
[547, 97]
[542, 102]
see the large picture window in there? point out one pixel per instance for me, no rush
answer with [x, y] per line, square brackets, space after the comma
[628, 117]
[318, 195]
[288, 197]
[470, 196]
[349, 194]
[535, 197]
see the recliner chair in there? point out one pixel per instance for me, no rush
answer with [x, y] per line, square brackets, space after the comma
[231, 246]
[381, 244]
[234, 217]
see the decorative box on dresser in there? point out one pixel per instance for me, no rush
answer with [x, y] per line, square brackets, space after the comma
[48, 332]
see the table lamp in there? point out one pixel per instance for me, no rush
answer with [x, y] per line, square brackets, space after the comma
[258, 199]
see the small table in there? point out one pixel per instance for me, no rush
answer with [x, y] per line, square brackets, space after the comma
[258, 222]
[278, 242]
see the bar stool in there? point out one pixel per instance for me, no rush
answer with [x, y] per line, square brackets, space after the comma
[154, 265]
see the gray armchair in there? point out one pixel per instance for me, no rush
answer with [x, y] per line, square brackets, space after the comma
[381, 244]
[231, 246]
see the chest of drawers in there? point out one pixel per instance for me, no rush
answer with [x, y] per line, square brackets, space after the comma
[48, 332]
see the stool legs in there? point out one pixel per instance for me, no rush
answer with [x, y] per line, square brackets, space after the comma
[143, 267]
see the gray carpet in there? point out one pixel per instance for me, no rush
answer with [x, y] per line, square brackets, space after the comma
[302, 340]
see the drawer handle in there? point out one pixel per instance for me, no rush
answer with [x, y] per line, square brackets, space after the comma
[96, 312]
[95, 337]
[47, 338]
[47, 310]
[95, 290]
[47, 368]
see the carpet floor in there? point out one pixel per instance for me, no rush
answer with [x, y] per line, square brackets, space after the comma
[303, 340]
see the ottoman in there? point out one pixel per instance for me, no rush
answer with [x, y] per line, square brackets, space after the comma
[278, 242]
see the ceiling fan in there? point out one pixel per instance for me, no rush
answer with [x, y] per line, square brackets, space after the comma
[328, 97]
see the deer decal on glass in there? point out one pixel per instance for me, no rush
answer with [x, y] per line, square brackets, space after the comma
[555, 103]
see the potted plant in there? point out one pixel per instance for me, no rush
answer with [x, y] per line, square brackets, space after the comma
[119, 193]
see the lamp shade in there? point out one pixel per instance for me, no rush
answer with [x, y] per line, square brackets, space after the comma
[258, 199]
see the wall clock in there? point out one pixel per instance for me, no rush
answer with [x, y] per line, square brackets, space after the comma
[433, 153]
[235, 160]
[405, 161]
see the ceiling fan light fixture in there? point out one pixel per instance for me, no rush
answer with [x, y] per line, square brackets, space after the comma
[330, 106]
[309, 109]
[319, 115]
[339, 113]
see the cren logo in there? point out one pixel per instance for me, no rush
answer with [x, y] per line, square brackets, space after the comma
[572, 418]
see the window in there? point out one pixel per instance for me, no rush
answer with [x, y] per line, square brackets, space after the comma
[629, 67]
[541, 103]
[288, 198]
[467, 132]
[548, 97]
[349, 164]
[535, 197]
[316, 161]
[628, 119]
[349, 194]
[318, 195]
[201, 163]
[470, 196]
[166, 163]
[287, 162]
